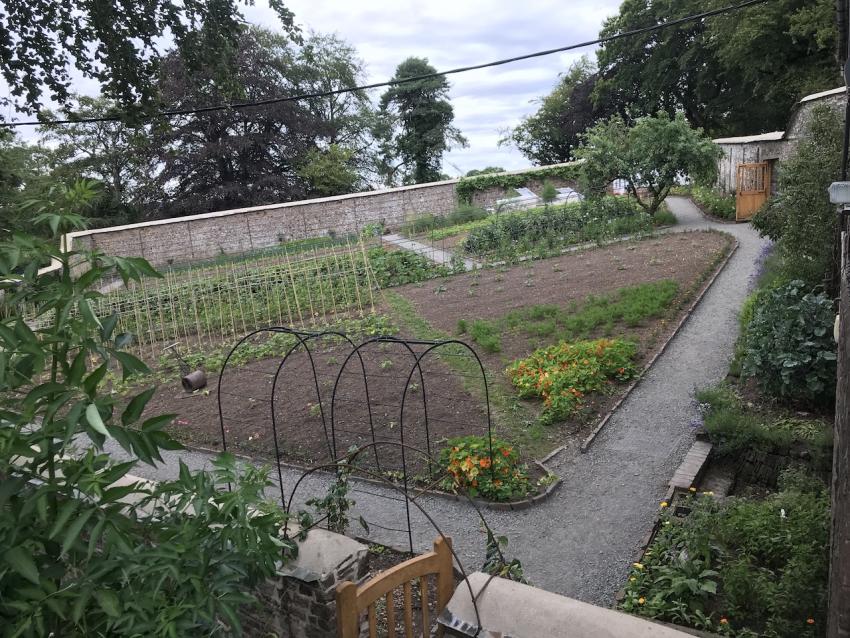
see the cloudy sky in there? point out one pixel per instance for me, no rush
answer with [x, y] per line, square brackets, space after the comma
[459, 33]
[453, 34]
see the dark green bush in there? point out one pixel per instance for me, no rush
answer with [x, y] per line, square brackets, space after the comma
[788, 344]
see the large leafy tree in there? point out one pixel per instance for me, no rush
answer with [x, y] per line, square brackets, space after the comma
[345, 160]
[115, 42]
[417, 125]
[234, 158]
[24, 175]
[731, 74]
[113, 153]
[652, 156]
[552, 134]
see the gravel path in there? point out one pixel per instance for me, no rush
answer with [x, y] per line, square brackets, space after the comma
[580, 541]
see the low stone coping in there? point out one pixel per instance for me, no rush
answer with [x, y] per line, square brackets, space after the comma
[321, 554]
[512, 610]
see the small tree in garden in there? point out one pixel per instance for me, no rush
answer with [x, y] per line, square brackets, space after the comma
[79, 555]
[549, 193]
[651, 156]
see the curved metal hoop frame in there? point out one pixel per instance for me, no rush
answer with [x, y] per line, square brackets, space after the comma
[303, 340]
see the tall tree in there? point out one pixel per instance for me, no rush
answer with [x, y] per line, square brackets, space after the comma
[113, 153]
[417, 125]
[730, 74]
[552, 134]
[235, 158]
[24, 175]
[115, 42]
[346, 160]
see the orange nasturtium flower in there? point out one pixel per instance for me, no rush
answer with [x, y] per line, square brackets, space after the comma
[485, 462]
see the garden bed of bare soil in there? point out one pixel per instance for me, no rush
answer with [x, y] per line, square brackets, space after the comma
[313, 427]
[689, 258]
[312, 431]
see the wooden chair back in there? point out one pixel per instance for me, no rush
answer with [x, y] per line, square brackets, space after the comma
[352, 601]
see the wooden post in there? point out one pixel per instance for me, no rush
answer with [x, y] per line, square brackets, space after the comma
[347, 616]
[839, 563]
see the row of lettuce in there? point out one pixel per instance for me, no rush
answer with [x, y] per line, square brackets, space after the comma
[757, 563]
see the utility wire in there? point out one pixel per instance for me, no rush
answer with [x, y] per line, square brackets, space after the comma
[416, 78]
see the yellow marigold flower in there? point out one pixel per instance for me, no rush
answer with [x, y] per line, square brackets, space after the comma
[664, 504]
[632, 579]
[637, 565]
[641, 600]
[692, 489]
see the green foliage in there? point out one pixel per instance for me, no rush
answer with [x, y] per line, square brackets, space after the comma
[484, 171]
[714, 203]
[713, 70]
[80, 554]
[741, 567]
[495, 562]
[736, 429]
[563, 374]
[788, 344]
[552, 134]
[631, 306]
[119, 47]
[399, 267]
[417, 126]
[330, 172]
[334, 506]
[472, 468]
[549, 193]
[468, 186]
[464, 214]
[508, 236]
[664, 216]
[653, 155]
[486, 335]
[800, 218]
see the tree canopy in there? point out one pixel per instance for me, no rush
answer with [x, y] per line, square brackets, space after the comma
[652, 156]
[119, 44]
[552, 134]
[417, 125]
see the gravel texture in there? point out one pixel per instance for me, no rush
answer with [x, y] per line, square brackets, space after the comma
[580, 541]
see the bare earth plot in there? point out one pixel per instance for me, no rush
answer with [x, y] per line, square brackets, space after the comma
[580, 541]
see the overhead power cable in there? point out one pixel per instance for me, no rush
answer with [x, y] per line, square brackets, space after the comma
[416, 78]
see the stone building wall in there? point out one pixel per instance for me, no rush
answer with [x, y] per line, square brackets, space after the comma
[771, 147]
[232, 232]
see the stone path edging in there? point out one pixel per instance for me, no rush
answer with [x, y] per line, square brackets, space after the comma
[705, 288]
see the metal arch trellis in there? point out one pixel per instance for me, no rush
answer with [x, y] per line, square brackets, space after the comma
[303, 340]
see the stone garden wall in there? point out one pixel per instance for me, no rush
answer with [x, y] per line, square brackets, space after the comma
[201, 237]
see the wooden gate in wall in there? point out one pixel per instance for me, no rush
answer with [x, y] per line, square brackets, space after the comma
[753, 189]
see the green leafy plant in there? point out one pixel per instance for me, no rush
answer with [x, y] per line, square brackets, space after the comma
[486, 335]
[495, 562]
[548, 193]
[334, 506]
[741, 567]
[83, 551]
[713, 202]
[563, 374]
[547, 231]
[788, 345]
[471, 468]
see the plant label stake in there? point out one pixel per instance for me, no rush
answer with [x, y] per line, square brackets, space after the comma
[191, 380]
